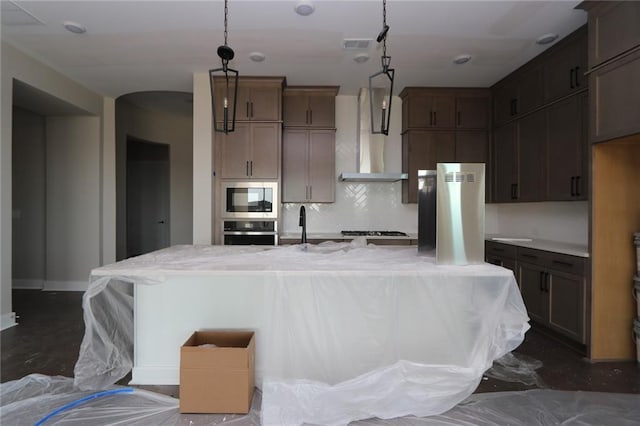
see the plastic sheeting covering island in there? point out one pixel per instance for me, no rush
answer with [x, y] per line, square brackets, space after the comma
[344, 331]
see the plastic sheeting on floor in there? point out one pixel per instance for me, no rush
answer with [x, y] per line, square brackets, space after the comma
[344, 331]
[26, 401]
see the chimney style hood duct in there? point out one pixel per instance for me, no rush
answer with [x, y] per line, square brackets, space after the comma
[369, 149]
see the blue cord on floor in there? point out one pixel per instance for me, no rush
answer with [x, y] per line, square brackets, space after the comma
[80, 401]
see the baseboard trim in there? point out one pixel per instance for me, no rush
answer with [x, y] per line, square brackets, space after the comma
[24, 284]
[65, 285]
[155, 376]
[8, 320]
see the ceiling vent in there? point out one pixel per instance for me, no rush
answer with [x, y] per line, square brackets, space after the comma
[356, 43]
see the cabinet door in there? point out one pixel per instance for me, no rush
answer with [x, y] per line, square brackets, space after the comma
[322, 111]
[471, 146]
[322, 181]
[531, 145]
[443, 111]
[505, 164]
[530, 95]
[243, 104]
[502, 261]
[567, 304]
[615, 99]
[472, 113]
[422, 150]
[235, 152]
[613, 29]
[564, 150]
[265, 157]
[564, 69]
[265, 103]
[294, 165]
[418, 109]
[295, 111]
[533, 287]
[505, 95]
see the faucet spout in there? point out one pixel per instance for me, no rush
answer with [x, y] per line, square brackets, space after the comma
[303, 223]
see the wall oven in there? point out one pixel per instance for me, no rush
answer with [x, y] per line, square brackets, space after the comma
[250, 200]
[247, 232]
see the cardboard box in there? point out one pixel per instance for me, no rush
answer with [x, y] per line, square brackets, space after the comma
[217, 379]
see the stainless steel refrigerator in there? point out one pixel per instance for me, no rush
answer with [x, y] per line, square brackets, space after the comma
[453, 203]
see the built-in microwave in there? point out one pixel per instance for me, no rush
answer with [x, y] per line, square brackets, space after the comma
[250, 200]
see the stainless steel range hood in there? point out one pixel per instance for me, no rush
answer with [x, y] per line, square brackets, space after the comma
[369, 149]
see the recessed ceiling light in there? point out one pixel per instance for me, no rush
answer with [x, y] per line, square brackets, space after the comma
[304, 8]
[74, 27]
[462, 59]
[547, 38]
[361, 58]
[257, 56]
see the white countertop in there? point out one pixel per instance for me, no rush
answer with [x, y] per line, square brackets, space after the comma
[580, 250]
[339, 236]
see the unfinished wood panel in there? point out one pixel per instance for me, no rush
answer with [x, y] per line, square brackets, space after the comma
[615, 217]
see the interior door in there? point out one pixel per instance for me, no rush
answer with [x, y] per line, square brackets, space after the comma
[148, 198]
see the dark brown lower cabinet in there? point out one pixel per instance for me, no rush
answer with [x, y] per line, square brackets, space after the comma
[553, 288]
[502, 255]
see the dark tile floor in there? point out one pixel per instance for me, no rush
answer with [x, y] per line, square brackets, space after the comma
[47, 341]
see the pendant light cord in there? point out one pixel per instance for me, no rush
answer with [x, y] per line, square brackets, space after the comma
[226, 10]
[384, 25]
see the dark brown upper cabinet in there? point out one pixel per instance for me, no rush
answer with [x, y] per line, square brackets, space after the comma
[472, 112]
[518, 94]
[565, 66]
[566, 150]
[614, 29]
[424, 108]
[311, 107]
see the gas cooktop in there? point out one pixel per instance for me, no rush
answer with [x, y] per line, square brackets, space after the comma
[373, 233]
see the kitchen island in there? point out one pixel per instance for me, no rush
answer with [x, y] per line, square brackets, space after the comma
[343, 330]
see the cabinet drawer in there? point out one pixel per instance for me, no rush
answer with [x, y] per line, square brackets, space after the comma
[501, 250]
[566, 263]
[533, 256]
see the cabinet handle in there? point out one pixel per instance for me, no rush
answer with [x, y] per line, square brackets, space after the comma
[514, 191]
[576, 76]
[571, 73]
[562, 263]
[247, 169]
[248, 110]
[541, 283]
[430, 118]
[498, 249]
[435, 118]
[251, 168]
[306, 117]
[530, 256]
[573, 185]
[577, 186]
[311, 192]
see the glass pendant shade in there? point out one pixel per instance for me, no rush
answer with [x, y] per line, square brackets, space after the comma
[380, 95]
[224, 91]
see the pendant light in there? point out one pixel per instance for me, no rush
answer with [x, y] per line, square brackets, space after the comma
[224, 99]
[381, 84]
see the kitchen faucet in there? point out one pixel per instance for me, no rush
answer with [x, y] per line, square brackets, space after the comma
[303, 223]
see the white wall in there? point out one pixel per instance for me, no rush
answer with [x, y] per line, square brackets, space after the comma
[175, 131]
[73, 200]
[15, 64]
[202, 161]
[28, 203]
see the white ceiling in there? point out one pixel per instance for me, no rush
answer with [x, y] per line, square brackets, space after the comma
[133, 46]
